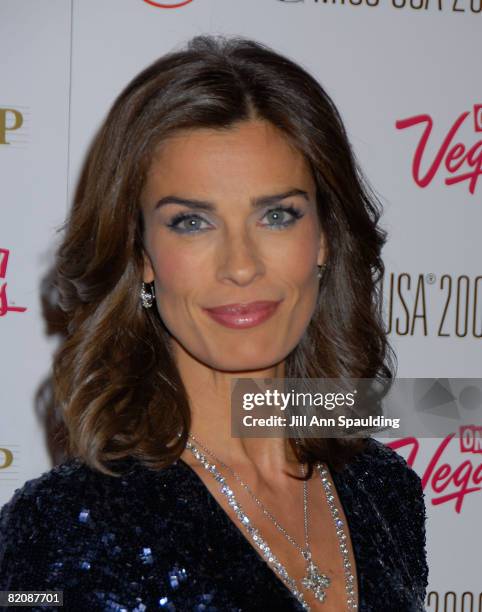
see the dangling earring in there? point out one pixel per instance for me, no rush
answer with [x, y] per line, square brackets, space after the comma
[322, 268]
[147, 297]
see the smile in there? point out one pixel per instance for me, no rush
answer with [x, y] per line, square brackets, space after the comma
[241, 316]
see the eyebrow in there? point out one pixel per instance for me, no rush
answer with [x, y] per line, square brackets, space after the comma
[256, 203]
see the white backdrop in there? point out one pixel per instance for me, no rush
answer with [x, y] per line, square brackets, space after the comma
[396, 72]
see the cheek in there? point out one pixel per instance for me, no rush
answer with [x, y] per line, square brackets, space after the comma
[181, 276]
[176, 270]
[297, 264]
[173, 284]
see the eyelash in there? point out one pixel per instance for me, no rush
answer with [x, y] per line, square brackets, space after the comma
[179, 218]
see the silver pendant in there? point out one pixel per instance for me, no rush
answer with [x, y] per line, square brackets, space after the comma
[315, 581]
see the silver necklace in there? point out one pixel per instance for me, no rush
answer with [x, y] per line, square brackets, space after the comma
[304, 551]
[313, 580]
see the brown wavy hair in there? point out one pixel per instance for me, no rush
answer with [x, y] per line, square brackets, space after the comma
[115, 380]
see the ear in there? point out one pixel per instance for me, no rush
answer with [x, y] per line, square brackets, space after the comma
[148, 272]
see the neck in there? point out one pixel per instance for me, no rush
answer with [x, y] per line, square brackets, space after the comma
[209, 394]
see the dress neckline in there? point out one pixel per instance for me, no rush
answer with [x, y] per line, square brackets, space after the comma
[245, 543]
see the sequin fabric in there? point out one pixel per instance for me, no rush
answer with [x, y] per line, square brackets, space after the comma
[159, 540]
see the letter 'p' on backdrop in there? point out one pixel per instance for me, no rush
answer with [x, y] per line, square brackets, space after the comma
[405, 75]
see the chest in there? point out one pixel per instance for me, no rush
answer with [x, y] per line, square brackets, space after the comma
[203, 557]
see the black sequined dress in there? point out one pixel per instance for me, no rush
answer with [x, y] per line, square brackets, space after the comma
[159, 540]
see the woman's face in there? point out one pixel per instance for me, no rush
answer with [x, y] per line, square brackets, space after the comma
[230, 219]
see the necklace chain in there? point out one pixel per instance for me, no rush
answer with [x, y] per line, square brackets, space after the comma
[314, 580]
[306, 552]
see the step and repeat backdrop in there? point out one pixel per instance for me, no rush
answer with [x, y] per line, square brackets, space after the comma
[405, 75]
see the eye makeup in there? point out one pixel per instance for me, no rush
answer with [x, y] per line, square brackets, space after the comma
[175, 224]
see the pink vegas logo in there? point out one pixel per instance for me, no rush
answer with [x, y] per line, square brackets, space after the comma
[172, 4]
[458, 161]
[5, 307]
[447, 481]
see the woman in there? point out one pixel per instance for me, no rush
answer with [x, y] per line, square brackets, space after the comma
[221, 229]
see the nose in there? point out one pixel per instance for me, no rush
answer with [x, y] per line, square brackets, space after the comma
[240, 262]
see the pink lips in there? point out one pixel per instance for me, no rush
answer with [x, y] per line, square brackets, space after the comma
[240, 316]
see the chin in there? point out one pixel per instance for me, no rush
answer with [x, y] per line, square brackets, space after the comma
[241, 366]
[250, 359]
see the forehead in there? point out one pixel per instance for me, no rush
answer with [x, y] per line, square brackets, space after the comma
[252, 155]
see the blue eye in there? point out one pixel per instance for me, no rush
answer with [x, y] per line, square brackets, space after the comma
[282, 216]
[192, 225]
[278, 217]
